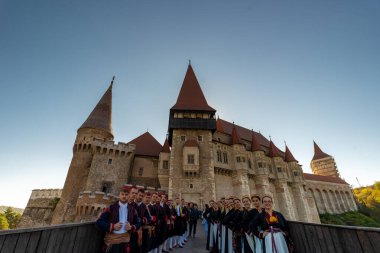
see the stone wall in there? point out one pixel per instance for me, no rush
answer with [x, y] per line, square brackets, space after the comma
[331, 197]
[40, 207]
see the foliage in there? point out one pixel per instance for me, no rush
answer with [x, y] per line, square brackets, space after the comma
[54, 202]
[349, 219]
[3, 222]
[12, 217]
[369, 200]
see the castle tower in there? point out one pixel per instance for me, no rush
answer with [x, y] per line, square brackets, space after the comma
[191, 125]
[283, 192]
[300, 207]
[240, 175]
[259, 160]
[163, 167]
[97, 126]
[323, 164]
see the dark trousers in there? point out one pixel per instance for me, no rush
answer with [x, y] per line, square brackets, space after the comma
[192, 227]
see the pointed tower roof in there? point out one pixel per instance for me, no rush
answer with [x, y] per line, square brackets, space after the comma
[273, 150]
[166, 147]
[235, 136]
[146, 145]
[101, 116]
[318, 153]
[191, 95]
[219, 126]
[255, 146]
[288, 155]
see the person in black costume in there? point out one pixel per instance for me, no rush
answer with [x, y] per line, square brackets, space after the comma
[272, 227]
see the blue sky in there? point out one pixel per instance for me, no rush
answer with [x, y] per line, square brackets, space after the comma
[295, 70]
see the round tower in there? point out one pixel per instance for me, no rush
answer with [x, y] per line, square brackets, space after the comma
[97, 126]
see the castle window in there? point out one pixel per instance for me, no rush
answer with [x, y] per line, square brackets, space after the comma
[243, 159]
[270, 169]
[141, 171]
[279, 169]
[200, 138]
[106, 187]
[249, 164]
[219, 155]
[165, 164]
[186, 115]
[225, 157]
[175, 115]
[238, 159]
[110, 161]
[190, 159]
[183, 138]
[191, 186]
[199, 115]
[295, 173]
[260, 165]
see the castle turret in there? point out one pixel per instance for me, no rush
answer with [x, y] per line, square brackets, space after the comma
[163, 168]
[323, 164]
[97, 126]
[191, 119]
[240, 176]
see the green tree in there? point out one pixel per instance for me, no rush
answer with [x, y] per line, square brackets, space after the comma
[3, 222]
[13, 217]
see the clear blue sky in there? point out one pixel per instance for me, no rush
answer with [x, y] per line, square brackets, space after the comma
[295, 70]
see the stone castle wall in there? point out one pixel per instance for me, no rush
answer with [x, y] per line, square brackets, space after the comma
[40, 207]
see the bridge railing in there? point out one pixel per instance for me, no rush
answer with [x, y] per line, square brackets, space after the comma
[85, 238]
[66, 238]
[310, 238]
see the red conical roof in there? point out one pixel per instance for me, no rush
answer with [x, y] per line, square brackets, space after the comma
[255, 146]
[101, 116]
[289, 156]
[318, 153]
[235, 136]
[219, 126]
[191, 96]
[166, 147]
[146, 145]
[273, 150]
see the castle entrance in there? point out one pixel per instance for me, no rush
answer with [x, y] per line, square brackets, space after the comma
[193, 197]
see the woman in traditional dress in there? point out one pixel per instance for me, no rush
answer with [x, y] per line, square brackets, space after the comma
[238, 231]
[272, 227]
[227, 221]
[213, 231]
[246, 239]
[250, 219]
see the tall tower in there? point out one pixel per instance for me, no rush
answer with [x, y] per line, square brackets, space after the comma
[191, 125]
[97, 126]
[323, 164]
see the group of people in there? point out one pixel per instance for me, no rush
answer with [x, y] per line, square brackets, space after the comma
[147, 222]
[246, 225]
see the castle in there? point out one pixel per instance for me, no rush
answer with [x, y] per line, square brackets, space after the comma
[202, 158]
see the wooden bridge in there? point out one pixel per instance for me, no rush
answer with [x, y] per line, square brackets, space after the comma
[84, 237]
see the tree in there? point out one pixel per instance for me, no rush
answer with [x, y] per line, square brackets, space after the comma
[13, 217]
[3, 222]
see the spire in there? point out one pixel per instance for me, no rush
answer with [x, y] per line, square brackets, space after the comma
[235, 136]
[219, 126]
[101, 116]
[318, 153]
[273, 150]
[255, 146]
[166, 148]
[288, 155]
[191, 96]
